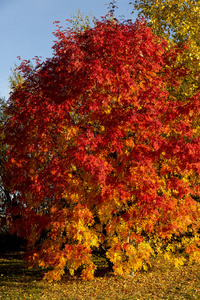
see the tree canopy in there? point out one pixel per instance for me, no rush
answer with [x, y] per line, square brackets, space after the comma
[103, 153]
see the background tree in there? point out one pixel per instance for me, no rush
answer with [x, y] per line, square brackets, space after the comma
[101, 152]
[177, 21]
[15, 80]
[4, 193]
[6, 197]
[81, 22]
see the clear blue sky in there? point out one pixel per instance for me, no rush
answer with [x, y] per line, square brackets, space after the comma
[26, 28]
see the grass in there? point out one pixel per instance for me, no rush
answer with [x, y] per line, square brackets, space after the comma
[161, 282]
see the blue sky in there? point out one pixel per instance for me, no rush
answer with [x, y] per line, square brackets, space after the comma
[26, 28]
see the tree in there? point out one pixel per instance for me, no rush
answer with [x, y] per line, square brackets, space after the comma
[15, 80]
[177, 21]
[79, 22]
[101, 152]
[5, 198]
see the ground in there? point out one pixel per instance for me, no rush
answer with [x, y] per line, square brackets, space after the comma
[162, 281]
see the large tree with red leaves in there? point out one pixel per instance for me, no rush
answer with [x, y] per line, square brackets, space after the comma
[103, 154]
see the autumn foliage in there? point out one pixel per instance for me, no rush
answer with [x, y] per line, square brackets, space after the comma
[178, 22]
[103, 155]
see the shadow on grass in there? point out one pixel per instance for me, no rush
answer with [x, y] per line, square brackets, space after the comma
[14, 270]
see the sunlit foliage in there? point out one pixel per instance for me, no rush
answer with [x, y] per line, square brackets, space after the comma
[103, 154]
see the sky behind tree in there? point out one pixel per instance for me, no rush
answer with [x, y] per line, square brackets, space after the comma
[27, 26]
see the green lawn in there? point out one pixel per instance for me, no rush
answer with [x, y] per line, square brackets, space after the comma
[161, 282]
